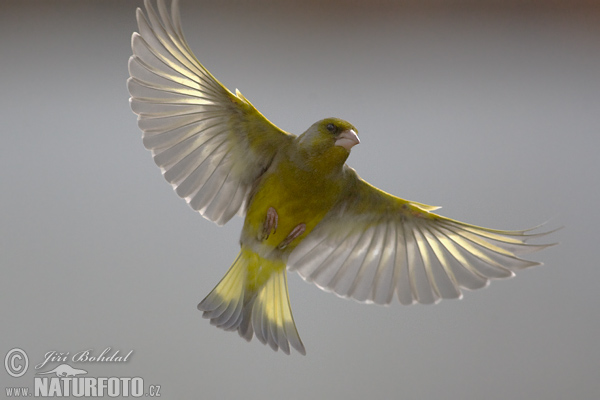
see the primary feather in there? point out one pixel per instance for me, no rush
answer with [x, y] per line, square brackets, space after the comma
[304, 208]
[210, 144]
[373, 245]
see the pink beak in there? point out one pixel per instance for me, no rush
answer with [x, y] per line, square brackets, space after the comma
[347, 139]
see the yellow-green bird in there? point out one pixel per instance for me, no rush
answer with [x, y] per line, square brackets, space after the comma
[305, 209]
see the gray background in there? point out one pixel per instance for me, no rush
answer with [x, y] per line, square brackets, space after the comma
[489, 109]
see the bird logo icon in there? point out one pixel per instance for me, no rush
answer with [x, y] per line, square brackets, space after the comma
[64, 371]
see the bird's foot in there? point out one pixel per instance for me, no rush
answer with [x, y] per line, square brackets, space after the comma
[270, 224]
[297, 231]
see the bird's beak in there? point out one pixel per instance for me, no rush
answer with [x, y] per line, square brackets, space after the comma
[347, 139]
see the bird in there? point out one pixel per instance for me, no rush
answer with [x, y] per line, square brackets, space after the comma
[304, 208]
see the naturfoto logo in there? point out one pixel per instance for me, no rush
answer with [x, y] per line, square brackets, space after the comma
[62, 377]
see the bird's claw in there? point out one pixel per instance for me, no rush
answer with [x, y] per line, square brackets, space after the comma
[270, 224]
[297, 231]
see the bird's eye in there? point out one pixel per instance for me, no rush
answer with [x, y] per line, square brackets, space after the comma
[331, 127]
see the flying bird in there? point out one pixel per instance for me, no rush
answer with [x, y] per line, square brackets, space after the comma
[305, 210]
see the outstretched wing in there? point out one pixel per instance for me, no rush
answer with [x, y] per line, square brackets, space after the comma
[210, 144]
[373, 245]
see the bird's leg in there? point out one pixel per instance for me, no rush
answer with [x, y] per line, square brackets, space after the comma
[297, 231]
[270, 224]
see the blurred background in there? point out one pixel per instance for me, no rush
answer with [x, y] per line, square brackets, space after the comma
[490, 109]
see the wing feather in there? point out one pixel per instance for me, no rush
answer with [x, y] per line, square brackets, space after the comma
[383, 289]
[373, 245]
[210, 144]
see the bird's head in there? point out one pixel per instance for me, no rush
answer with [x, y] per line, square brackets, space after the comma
[329, 141]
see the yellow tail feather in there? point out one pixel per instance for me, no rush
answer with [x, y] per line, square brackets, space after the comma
[253, 298]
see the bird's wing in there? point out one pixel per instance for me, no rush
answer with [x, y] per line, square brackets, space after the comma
[372, 246]
[210, 144]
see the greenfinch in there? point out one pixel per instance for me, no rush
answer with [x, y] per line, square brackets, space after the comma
[305, 209]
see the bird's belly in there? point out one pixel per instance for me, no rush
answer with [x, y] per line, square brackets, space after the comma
[294, 204]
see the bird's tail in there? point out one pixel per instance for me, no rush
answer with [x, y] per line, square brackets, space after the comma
[253, 298]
